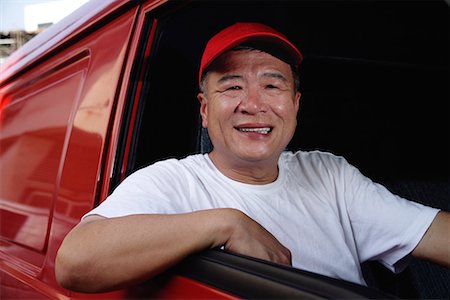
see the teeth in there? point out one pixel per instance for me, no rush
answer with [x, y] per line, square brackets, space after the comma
[264, 130]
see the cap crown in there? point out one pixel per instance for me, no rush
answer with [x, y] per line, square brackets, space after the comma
[239, 33]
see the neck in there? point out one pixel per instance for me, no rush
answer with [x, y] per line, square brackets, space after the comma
[250, 172]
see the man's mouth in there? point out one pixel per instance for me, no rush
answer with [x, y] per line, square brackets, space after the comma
[261, 130]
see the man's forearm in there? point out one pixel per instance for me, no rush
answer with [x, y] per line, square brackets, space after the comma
[106, 254]
[435, 244]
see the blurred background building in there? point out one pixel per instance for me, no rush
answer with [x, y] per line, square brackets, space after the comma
[21, 20]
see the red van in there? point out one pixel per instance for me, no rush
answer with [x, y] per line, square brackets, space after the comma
[112, 88]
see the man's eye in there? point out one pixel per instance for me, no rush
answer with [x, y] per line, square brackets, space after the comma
[234, 88]
[271, 86]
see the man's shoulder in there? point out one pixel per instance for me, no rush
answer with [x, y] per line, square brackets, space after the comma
[170, 166]
[311, 156]
[314, 162]
[192, 159]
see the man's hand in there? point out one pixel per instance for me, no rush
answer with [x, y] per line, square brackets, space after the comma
[251, 239]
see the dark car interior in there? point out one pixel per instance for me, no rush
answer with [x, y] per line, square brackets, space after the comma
[374, 85]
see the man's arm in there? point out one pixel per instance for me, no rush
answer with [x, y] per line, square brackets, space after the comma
[102, 254]
[435, 244]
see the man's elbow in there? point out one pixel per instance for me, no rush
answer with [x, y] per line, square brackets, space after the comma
[75, 266]
[72, 272]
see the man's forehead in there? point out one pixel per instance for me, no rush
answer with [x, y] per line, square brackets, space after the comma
[246, 58]
[265, 74]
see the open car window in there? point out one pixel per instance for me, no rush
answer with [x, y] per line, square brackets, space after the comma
[374, 86]
[373, 81]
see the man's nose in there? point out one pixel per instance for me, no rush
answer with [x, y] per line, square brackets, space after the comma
[252, 102]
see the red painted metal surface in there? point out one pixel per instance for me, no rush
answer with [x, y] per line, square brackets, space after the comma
[184, 288]
[54, 121]
[58, 35]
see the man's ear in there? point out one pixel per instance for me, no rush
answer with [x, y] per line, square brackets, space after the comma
[203, 109]
[297, 98]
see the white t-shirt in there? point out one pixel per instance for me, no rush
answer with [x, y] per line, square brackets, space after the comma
[324, 210]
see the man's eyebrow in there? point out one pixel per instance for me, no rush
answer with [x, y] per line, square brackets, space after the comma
[228, 77]
[275, 75]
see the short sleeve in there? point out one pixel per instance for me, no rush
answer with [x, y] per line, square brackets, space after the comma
[155, 189]
[386, 227]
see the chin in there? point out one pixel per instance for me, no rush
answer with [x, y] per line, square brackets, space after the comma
[258, 155]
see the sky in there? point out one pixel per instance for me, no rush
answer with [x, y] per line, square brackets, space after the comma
[12, 12]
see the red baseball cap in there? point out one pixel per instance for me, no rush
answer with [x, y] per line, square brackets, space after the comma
[266, 38]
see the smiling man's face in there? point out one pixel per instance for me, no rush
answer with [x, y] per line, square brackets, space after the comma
[249, 106]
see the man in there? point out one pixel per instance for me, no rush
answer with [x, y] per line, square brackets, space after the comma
[311, 210]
